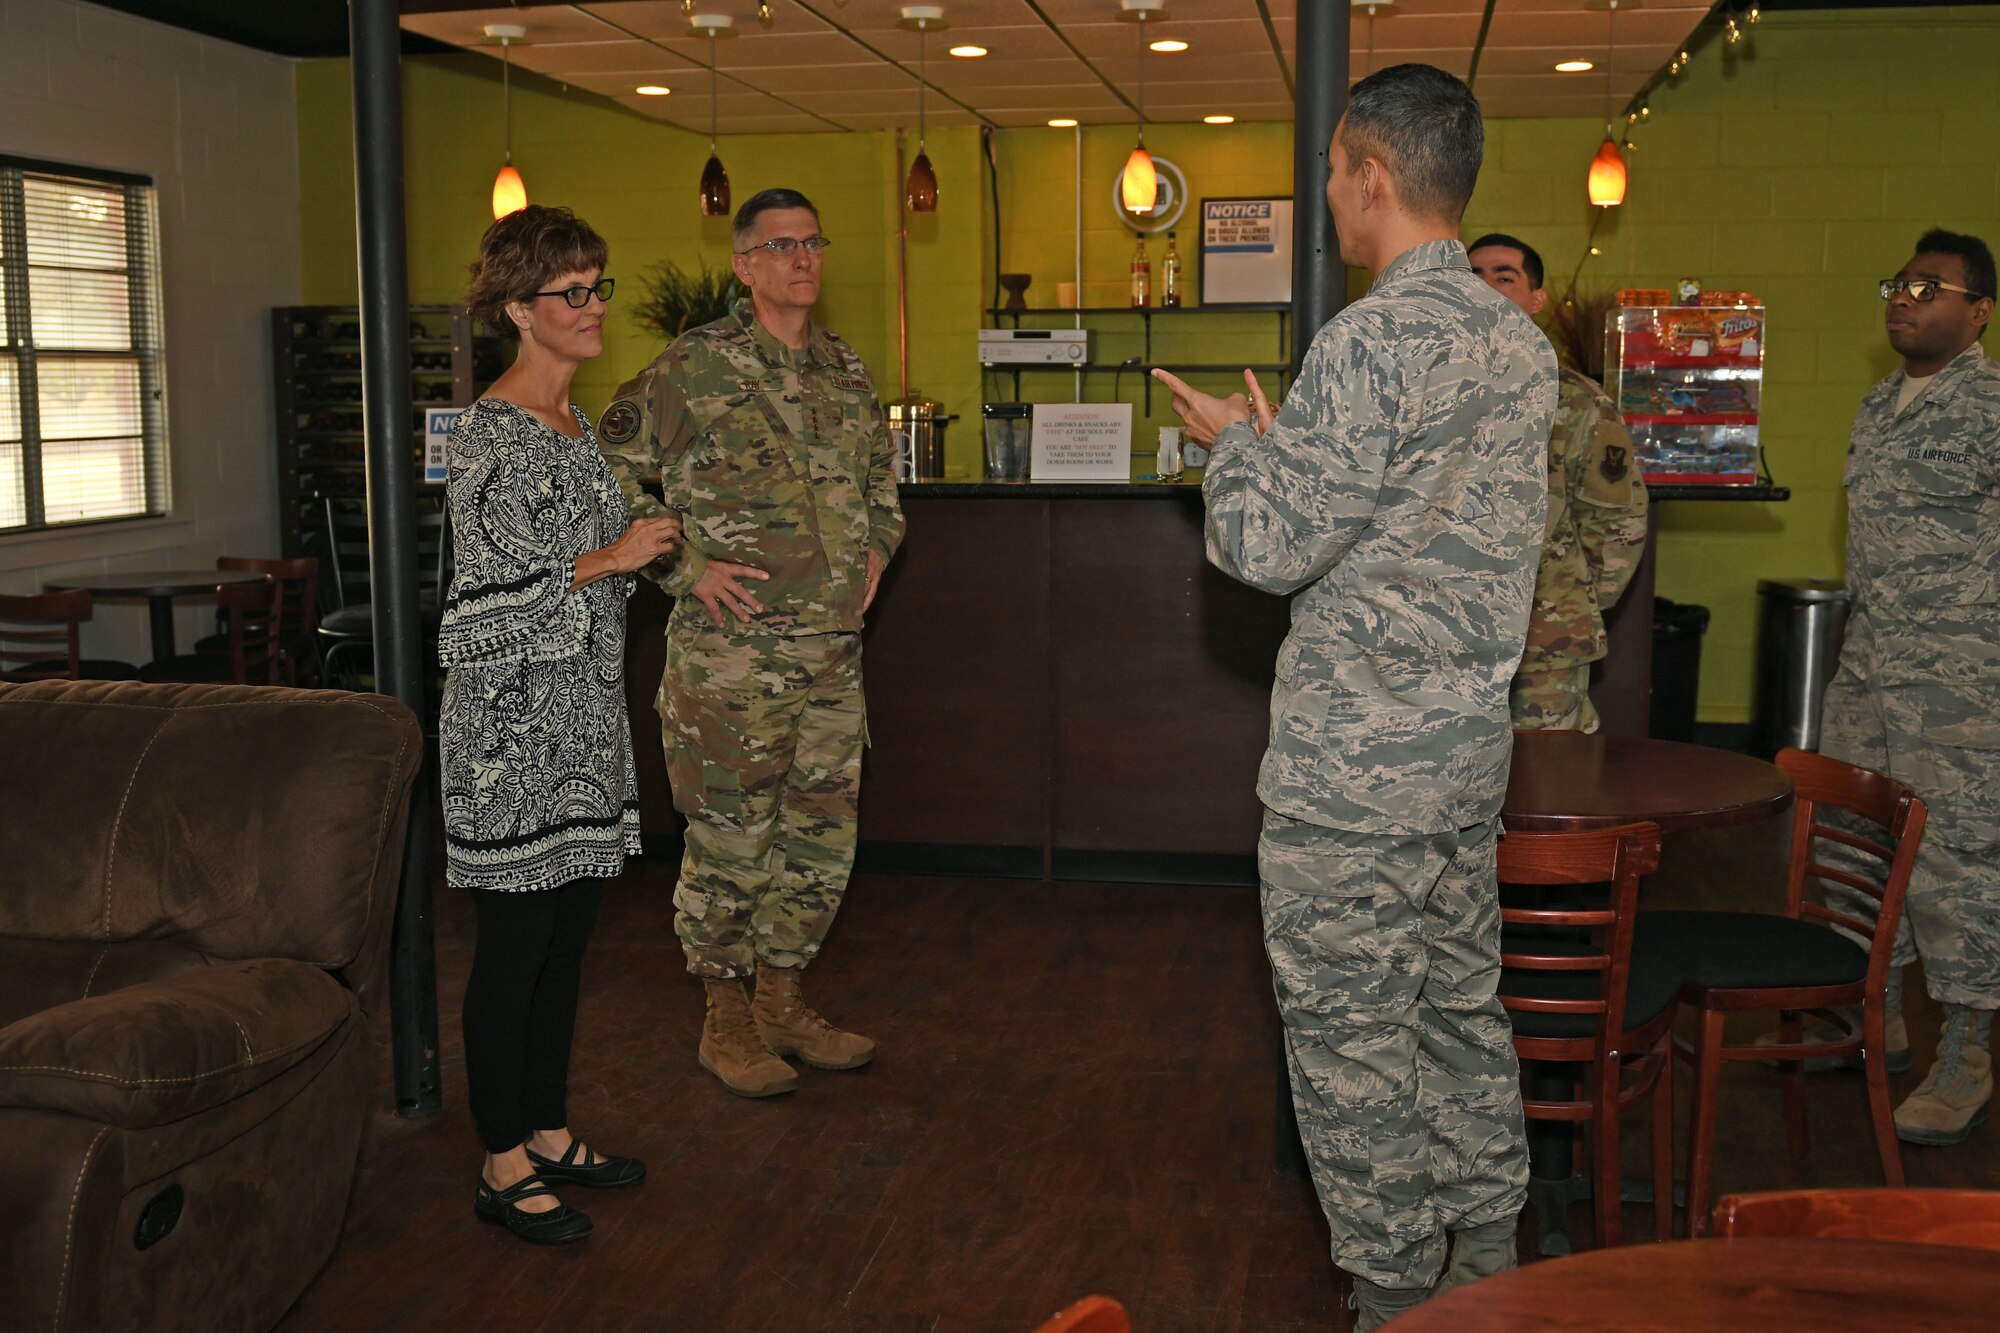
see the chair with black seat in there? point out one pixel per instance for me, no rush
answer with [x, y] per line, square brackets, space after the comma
[1576, 996]
[1802, 960]
[252, 658]
[348, 631]
[294, 618]
[41, 638]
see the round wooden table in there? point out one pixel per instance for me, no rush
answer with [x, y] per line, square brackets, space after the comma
[159, 587]
[1563, 781]
[1759, 1283]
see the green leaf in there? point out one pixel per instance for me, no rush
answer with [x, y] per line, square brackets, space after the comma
[677, 300]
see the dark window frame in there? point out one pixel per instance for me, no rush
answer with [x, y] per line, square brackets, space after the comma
[142, 314]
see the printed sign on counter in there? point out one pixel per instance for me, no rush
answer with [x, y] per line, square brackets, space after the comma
[438, 422]
[1082, 442]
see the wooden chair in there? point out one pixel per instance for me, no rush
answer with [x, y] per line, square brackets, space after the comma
[1575, 996]
[252, 609]
[1968, 1219]
[1092, 1314]
[1797, 962]
[41, 639]
[294, 619]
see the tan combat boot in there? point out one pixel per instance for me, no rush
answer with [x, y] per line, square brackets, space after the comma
[1895, 1045]
[730, 1048]
[789, 1027]
[1953, 1097]
[1480, 1251]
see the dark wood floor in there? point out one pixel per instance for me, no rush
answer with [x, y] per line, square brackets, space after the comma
[1074, 1095]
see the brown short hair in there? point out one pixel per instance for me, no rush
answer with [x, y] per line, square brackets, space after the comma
[521, 253]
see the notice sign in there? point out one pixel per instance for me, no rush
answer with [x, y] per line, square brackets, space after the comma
[1246, 251]
[1082, 442]
[438, 422]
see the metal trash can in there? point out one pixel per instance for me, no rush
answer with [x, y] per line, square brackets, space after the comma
[1799, 628]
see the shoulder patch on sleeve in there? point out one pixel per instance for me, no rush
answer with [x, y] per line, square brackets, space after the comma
[621, 422]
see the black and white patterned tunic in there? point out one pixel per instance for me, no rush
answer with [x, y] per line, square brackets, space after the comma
[537, 752]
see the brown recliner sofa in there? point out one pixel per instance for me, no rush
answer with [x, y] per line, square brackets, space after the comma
[196, 889]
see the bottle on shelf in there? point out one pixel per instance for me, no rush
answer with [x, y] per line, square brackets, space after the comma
[1142, 277]
[1170, 277]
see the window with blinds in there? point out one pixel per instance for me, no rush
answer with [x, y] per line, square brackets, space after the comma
[83, 422]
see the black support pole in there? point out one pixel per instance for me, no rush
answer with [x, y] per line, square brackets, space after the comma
[1319, 279]
[376, 40]
[1319, 290]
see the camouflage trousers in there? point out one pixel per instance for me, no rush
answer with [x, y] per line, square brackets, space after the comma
[1553, 700]
[1944, 741]
[1385, 955]
[763, 738]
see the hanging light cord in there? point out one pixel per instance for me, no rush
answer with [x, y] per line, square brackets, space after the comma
[507, 100]
[1371, 40]
[1142, 78]
[922, 33]
[1610, 60]
[714, 75]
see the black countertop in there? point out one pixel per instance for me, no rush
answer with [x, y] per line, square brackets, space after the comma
[1111, 490]
[1046, 490]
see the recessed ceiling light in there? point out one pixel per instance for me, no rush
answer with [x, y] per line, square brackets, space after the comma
[651, 90]
[1168, 45]
[1218, 120]
[1062, 123]
[968, 52]
[1574, 66]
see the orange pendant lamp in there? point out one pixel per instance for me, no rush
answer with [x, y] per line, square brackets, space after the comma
[920, 191]
[714, 177]
[1607, 169]
[1607, 175]
[510, 192]
[1139, 184]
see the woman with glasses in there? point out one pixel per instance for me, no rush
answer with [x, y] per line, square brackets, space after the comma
[540, 797]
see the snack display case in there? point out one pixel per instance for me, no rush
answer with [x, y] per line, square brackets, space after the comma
[1688, 380]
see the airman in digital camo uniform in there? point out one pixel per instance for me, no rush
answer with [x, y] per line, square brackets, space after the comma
[1398, 498]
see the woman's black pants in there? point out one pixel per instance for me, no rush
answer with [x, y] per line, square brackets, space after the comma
[520, 1007]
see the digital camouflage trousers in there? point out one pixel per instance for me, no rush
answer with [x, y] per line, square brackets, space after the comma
[1385, 955]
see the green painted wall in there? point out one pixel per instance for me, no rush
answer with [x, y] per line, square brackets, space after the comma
[635, 181]
[1801, 164]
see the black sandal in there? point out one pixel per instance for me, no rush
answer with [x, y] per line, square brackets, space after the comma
[558, 1226]
[592, 1172]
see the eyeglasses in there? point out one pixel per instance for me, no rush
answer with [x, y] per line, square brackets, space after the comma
[579, 296]
[782, 246]
[1920, 289]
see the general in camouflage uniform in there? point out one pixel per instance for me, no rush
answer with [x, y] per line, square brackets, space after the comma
[1398, 498]
[776, 458]
[1596, 526]
[1917, 691]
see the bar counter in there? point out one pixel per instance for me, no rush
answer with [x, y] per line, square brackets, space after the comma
[1059, 686]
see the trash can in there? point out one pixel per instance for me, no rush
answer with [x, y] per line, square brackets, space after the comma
[1677, 631]
[916, 428]
[1799, 627]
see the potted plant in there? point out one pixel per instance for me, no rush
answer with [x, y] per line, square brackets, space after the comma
[677, 300]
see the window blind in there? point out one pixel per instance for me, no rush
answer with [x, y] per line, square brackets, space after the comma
[82, 377]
